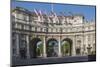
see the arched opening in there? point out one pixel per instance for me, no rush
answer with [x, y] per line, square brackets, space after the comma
[66, 47]
[52, 48]
[36, 48]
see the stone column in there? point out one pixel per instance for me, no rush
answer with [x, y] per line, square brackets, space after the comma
[59, 46]
[17, 44]
[92, 43]
[44, 47]
[28, 52]
[86, 42]
[83, 45]
[73, 46]
[15, 16]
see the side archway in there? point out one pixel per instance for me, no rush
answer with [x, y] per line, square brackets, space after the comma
[36, 48]
[66, 47]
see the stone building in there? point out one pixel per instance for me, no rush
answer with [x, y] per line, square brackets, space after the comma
[36, 35]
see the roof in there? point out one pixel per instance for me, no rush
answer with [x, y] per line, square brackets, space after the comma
[44, 15]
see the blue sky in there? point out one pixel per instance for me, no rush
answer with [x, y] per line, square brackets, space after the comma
[87, 11]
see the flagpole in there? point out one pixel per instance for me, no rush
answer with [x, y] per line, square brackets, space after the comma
[52, 7]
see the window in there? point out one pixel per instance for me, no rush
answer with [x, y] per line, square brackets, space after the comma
[24, 18]
[44, 29]
[78, 51]
[19, 26]
[13, 36]
[78, 42]
[48, 29]
[35, 18]
[75, 20]
[20, 16]
[84, 47]
[22, 36]
[41, 29]
[14, 52]
[35, 28]
[56, 29]
[22, 41]
[64, 30]
[38, 29]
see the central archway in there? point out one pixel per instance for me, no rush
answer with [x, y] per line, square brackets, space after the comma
[52, 48]
[66, 47]
[36, 48]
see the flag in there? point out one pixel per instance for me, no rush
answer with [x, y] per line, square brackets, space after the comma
[36, 12]
[54, 17]
[47, 16]
[41, 15]
[63, 18]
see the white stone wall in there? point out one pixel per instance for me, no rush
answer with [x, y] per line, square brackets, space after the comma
[80, 32]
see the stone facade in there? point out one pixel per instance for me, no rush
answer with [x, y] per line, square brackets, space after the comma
[32, 28]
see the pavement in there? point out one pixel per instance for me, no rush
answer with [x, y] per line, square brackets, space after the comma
[52, 60]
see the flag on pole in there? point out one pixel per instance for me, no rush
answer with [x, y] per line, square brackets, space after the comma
[36, 12]
[41, 15]
[48, 18]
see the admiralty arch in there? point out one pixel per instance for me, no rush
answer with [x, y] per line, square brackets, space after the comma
[36, 35]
